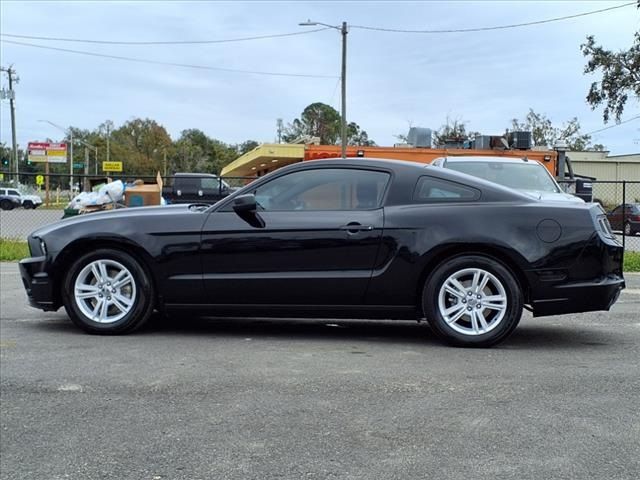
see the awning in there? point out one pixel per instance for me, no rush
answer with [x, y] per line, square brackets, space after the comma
[263, 159]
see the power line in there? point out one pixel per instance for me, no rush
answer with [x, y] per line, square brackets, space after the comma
[614, 126]
[163, 42]
[171, 64]
[499, 27]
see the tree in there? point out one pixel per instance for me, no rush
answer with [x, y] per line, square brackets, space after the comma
[545, 134]
[317, 120]
[247, 146]
[358, 137]
[620, 76]
[139, 144]
[323, 121]
[195, 152]
[452, 131]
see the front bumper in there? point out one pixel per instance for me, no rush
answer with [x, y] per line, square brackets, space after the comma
[38, 284]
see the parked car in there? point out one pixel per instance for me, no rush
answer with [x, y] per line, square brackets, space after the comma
[625, 218]
[8, 202]
[528, 176]
[27, 201]
[355, 238]
[196, 188]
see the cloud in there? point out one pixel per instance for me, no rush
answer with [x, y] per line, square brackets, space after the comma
[484, 78]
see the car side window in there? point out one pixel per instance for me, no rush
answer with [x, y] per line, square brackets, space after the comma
[209, 183]
[324, 189]
[434, 190]
[13, 192]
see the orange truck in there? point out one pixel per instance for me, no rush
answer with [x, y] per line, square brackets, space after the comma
[558, 164]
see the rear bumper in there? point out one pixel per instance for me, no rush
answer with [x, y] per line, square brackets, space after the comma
[37, 283]
[580, 297]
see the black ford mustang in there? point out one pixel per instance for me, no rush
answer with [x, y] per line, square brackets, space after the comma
[353, 238]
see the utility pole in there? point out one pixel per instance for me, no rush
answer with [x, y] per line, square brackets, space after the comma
[279, 123]
[11, 73]
[108, 125]
[343, 77]
[164, 162]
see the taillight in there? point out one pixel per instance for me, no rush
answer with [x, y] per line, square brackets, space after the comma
[604, 226]
[634, 218]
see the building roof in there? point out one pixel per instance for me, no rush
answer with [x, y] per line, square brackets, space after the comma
[264, 158]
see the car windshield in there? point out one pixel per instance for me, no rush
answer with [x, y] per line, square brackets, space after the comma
[521, 176]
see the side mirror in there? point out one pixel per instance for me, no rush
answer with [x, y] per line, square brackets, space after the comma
[245, 203]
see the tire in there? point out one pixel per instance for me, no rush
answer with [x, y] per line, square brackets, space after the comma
[6, 205]
[451, 302]
[28, 205]
[104, 311]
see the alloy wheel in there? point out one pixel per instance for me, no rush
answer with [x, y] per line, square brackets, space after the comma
[105, 291]
[472, 301]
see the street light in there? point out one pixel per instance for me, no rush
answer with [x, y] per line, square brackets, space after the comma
[343, 30]
[70, 133]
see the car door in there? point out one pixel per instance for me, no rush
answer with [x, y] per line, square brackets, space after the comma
[615, 218]
[312, 241]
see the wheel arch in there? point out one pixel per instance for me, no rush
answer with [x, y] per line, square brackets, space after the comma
[77, 248]
[446, 253]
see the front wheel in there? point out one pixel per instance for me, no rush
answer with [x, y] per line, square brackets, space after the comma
[28, 205]
[108, 292]
[472, 301]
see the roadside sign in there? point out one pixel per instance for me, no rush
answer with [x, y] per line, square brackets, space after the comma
[78, 165]
[39, 179]
[1, 177]
[47, 152]
[111, 166]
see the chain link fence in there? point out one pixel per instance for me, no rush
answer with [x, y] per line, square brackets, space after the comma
[46, 196]
[620, 199]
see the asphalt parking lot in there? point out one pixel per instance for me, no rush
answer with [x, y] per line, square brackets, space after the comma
[245, 398]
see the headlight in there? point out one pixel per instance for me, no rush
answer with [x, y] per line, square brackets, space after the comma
[43, 247]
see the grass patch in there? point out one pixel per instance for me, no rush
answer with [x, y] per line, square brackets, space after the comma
[12, 250]
[631, 261]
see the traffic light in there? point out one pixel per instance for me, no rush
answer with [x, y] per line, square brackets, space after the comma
[5, 162]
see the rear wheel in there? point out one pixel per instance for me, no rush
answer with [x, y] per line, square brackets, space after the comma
[6, 205]
[472, 301]
[108, 292]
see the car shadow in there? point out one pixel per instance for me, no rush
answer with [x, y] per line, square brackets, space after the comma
[526, 337]
[536, 336]
[394, 331]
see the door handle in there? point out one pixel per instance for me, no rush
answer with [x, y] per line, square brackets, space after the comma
[355, 227]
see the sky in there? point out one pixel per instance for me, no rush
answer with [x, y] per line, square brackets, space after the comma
[394, 80]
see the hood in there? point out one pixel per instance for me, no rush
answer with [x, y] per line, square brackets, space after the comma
[132, 212]
[33, 198]
[553, 196]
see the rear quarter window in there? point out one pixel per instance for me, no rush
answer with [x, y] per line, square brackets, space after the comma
[436, 190]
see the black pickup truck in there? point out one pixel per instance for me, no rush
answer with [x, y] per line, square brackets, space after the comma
[195, 188]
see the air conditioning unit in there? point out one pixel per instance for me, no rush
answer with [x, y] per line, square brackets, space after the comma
[520, 140]
[419, 137]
